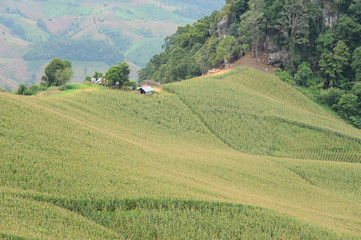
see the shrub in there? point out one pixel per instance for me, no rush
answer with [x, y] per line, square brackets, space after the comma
[27, 92]
[284, 76]
[331, 96]
[347, 105]
[304, 75]
[21, 89]
[34, 89]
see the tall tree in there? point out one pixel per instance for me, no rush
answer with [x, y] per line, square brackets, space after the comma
[293, 25]
[356, 63]
[236, 8]
[332, 64]
[252, 24]
[57, 72]
[118, 73]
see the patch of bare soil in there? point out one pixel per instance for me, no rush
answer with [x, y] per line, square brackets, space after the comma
[259, 63]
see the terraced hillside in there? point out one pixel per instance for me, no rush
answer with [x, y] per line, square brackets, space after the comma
[104, 164]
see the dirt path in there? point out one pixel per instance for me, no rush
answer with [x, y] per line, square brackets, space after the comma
[259, 63]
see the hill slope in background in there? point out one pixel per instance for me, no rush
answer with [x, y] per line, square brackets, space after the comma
[103, 32]
[122, 165]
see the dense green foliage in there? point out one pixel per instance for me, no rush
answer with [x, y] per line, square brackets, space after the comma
[319, 55]
[57, 72]
[118, 75]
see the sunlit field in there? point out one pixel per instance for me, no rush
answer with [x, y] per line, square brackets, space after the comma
[224, 157]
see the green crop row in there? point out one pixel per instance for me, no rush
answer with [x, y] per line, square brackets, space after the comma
[256, 113]
[151, 219]
[92, 145]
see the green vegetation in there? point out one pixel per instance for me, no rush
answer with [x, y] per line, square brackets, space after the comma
[335, 177]
[318, 55]
[149, 12]
[86, 161]
[80, 32]
[79, 50]
[143, 50]
[117, 75]
[255, 113]
[57, 72]
[71, 8]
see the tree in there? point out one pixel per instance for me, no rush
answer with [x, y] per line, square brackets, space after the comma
[333, 64]
[355, 10]
[118, 73]
[304, 75]
[57, 72]
[348, 31]
[252, 22]
[237, 8]
[293, 26]
[331, 96]
[347, 105]
[21, 89]
[356, 63]
[97, 75]
[63, 76]
[227, 49]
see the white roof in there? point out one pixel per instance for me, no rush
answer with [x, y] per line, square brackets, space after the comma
[147, 89]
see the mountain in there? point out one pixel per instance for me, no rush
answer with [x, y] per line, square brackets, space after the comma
[240, 155]
[92, 34]
[314, 45]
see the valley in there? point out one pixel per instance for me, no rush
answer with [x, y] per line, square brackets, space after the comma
[93, 35]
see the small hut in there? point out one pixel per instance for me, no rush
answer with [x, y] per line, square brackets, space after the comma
[147, 90]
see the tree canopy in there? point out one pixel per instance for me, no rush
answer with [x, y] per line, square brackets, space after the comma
[57, 72]
[118, 73]
[318, 42]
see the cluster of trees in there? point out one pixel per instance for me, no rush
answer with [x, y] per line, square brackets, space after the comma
[320, 41]
[56, 73]
[77, 50]
[116, 77]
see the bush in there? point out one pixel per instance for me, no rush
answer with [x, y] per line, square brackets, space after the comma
[2, 90]
[21, 89]
[27, 92]
[356, 121]
[284, 76]
[304, 75]
[331, 96]
[347, 105]
[34, 89]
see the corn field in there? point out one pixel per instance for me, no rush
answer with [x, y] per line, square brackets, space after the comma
[105, 164]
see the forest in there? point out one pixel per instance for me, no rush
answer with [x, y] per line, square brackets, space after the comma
[315, 44]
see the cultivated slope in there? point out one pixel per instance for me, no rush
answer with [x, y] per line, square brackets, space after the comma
[107, 162]
[257, 113]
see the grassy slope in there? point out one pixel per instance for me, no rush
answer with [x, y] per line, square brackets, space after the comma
[102, 146]
[256, 113]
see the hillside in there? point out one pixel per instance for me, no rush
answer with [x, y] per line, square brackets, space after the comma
[100, 32]
[260, 162]
[315, 45]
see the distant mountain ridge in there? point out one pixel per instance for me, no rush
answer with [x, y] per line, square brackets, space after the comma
[92, 34]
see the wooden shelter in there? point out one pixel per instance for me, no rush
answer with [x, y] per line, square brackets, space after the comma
[147, 90]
